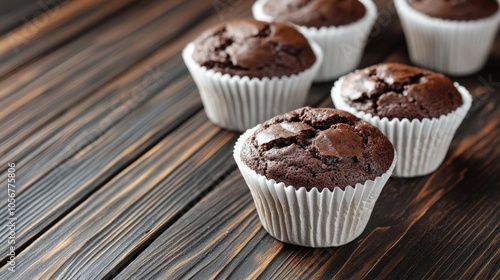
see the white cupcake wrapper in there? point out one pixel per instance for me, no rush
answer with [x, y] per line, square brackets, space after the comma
[342, 46]
[449, 46]
[311, 218]
[238, 103]
[421, 144]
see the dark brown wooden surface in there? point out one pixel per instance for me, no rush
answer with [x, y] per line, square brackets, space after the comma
[121, 175]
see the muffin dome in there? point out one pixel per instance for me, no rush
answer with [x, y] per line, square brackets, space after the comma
[315, 13]
[255, 49]
[456, 9]
[400, 91]
[322, 148]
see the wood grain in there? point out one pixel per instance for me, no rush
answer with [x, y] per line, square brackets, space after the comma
[86, 122]
[239, 235]
[382, 250]
[18, 13]
[92, 120]
[408, 236]
[156, 185]
[53, 27]
[91, 166]
[120, 173]
[111, 103]
[84, 65]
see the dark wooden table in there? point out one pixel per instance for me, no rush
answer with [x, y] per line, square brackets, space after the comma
[119, 173]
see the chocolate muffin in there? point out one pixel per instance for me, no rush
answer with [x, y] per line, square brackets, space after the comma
[456, 9]
[400, 91]
[315, 13]
[322, 148]
[254, 48]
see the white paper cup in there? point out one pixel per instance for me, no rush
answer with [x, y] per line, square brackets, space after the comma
[238, 103]
[342, 46]
[450, 46]
[421, 144]
[311, 218]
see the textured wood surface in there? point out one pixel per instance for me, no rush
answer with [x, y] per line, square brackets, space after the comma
[52, 27]
[20, 12]
[121, 175]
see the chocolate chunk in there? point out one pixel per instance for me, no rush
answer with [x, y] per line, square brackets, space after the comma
[339, 141]
[280, 131]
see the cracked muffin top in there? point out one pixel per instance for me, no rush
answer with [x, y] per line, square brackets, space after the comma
[456, 9]
[315, 13]
[400, 91]
[254, 48]
[322, 148]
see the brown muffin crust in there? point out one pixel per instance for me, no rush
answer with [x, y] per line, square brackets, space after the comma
[254, 48]
[400, 91]
[315, 13]
[322, 148]
[456, 9]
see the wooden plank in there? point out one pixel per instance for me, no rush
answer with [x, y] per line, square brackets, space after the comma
[27, 110]
[250, 253]
[68, 76]
[87, 121]
[40, 210]
[159, 157]
[73, 131]
[106, 231]
[130, 205]
[38, 225]
[52, 28]
[409, 234]
[153, 121]
[386, 34]
[87, 47]
[78, 128]
[66, 185]
[222, 228]
[15, 13]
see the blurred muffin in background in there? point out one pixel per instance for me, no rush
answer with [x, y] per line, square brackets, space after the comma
[340, 27]
[248, 71]
[449, 36]
[418, 110]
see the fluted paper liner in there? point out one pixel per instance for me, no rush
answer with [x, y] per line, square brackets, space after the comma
[421, 144]
[342, 46]
[450, 46]
[311, 218]
[238, 103]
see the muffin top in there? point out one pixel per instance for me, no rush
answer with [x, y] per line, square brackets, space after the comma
[315, 13]
[254, 48]
[400, 91]
[322, 148]
[456, 9]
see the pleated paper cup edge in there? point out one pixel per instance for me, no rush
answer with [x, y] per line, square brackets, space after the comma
[370, 16]
[211, 79]
[187, 55]
[447, 31]
[334, 35]
[403, 6]
[377, 185]
[342, 105]
[455, 117]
